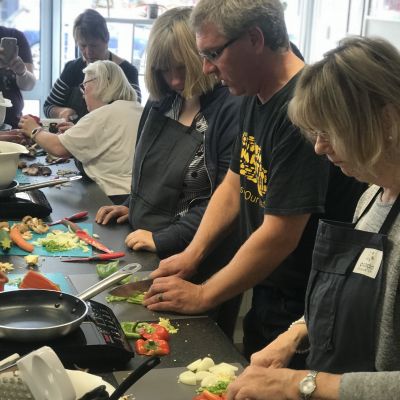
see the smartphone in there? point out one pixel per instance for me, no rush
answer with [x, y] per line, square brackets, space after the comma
[10, 49]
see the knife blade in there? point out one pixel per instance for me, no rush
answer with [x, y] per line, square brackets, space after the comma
[74, 217]
[85, 236]
[97, 257]
[128, 289]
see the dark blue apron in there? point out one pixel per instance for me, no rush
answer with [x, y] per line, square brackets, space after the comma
[342, 305]
[163, 154]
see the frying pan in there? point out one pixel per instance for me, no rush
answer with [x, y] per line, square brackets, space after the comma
[15, 188]
[34, 314]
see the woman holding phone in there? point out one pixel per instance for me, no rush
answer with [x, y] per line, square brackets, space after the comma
[16, 71]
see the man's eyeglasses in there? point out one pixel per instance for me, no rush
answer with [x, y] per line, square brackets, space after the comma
[213, 55]
[82, 85]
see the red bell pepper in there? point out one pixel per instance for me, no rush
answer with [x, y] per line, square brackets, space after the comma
[155, 347]
[152, 331]
[3, 280]
[206, 395]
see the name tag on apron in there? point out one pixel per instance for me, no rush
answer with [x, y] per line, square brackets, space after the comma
[369, 263]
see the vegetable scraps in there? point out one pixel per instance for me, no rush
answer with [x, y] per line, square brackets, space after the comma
[3, 280]
[35, 280]
[58, 240]
[16, 237]
[152, 338]
[214, 379]
[152, 347]
[5, 240]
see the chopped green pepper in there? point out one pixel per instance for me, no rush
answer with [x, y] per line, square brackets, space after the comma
[104, 270]
[129, 329]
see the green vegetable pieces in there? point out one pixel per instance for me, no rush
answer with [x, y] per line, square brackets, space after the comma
[5, 241]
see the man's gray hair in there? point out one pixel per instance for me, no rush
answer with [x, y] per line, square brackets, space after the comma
[233, 17]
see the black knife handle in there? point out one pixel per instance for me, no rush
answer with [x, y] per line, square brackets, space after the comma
[134, 376]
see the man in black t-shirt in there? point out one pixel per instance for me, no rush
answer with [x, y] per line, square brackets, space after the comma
[277, 186]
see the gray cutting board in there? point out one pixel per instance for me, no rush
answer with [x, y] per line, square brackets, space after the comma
[124, 311]
[161, 383]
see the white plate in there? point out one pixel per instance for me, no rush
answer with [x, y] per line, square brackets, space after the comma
[84, 382]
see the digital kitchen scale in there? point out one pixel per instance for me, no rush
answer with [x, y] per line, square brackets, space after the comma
[99, 343]
[33, 203]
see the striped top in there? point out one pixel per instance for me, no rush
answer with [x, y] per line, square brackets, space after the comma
[196, 183]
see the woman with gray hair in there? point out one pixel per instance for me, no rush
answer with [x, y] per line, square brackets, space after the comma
[348, 106]
[103, 141]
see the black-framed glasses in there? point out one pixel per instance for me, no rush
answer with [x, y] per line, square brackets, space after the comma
[83, 84]
[213, 55]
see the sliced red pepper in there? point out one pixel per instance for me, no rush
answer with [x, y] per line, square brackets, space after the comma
[152, 331]
[155, 347]
[3, 280]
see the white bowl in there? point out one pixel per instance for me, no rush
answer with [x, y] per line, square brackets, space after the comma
[9, 156]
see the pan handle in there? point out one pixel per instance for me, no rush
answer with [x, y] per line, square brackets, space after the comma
[104, 284]
[135, 376]
[53, 182]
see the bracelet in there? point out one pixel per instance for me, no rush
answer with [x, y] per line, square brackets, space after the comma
[35, 131]
[300, 322]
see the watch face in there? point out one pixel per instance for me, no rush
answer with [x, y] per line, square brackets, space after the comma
[307, 385]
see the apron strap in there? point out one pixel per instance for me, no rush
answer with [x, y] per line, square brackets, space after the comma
[369, 205]
[391, 217]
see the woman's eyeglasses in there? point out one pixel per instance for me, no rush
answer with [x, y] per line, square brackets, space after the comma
[82, 85]
[314, 135]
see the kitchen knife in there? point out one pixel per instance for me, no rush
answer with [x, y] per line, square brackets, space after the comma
[97, 257]
[131, 288]
[74, 217]
[85, 236]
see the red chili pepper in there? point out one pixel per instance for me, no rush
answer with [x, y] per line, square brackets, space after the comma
[152, 331]
[3, 280]
[155, 347]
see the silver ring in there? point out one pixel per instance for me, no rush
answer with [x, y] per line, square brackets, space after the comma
[160, 298]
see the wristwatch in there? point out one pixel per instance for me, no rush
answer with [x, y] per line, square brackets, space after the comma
[35, 131]
[307, 385]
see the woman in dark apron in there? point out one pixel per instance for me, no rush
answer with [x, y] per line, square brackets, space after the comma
[183, 152]
[348, 106]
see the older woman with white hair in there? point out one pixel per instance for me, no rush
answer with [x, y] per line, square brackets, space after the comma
[103, 141]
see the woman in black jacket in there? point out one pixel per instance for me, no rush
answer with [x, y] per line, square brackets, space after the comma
[184, 146]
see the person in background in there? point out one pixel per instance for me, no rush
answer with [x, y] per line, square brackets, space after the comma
[348, 105]
[185, 140]
[103, 141]
[15, 74]
[91, 36]
[276, 185]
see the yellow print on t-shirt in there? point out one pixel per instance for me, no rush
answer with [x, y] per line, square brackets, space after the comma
[251, 163]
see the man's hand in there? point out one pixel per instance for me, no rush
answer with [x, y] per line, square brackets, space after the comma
[181, 265]
[141, 240]
[106, 213]
[174, 294]
[17, 66]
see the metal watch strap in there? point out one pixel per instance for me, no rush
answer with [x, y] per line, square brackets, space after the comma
[308, 385]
